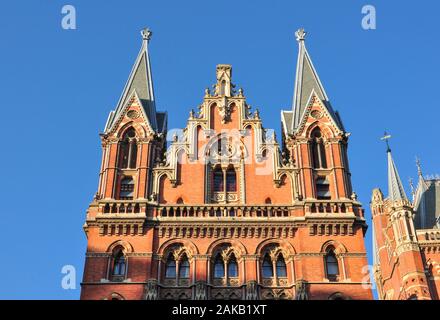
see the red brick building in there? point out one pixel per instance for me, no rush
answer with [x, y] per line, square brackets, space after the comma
[407, 239]
[221, 210]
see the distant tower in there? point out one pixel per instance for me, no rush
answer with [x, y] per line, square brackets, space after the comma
[398, 266]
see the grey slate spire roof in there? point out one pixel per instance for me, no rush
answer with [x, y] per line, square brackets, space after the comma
[141, 82]
[306, 82]
[395, 187]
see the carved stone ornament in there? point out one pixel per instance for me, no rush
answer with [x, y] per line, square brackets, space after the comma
[201, 291]
[316, 114]
[133, 114]
[151, 290]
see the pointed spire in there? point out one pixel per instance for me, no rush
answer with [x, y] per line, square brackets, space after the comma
[307, 82]
[140, 82]
[419, 195]
[395, 187]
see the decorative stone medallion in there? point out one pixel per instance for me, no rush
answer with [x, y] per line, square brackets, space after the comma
[133, 114]
[316, 114]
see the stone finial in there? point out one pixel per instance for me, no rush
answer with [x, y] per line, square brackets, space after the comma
[300, 34]
[419, 166]
[257, 114]
[146, 34]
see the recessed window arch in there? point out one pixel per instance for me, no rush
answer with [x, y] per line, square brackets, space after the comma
[331, 265]
[231, 180]
[267, 267]
[281, 269]
[128, 150]
[218, 183]
[232, 266]
[184, 267]
[119, 264]
[219, 267]
[319, 160]
[126, 191]
[170, 267]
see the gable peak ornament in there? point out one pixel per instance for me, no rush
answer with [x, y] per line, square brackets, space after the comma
[300, 34]
[146, 34]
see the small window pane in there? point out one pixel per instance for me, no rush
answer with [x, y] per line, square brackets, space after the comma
[267, 267]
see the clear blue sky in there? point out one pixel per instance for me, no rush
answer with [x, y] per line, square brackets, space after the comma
[58, 86]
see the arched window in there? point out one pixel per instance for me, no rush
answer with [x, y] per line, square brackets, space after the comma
[218, 180]
[267, 267]
[128, 150]
[232, 267]
[331, 265]
[219, 267]
[119, 264]
[281, 267]
[184, 268]
[126, 189]
[170, 267]
[231, 180]
[318, 150]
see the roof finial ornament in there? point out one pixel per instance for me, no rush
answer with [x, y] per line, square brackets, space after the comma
[146, 34]
[300, 34]
[385, 138]
[419, 167]
[411, 185]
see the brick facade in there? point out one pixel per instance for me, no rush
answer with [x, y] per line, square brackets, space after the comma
[222, 211]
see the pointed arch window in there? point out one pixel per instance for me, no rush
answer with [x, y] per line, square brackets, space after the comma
[184, 268]
[231, 180]
[267, 267]
[128, 150]
[319, 160]
[119, 264]
[281, 269]
[219, 267]
[331, 266]
[170, 267]
[126, 191]
[232, 267]
[218, 184]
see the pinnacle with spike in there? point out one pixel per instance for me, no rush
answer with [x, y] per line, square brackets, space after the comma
[146, 34]
[300, 34]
